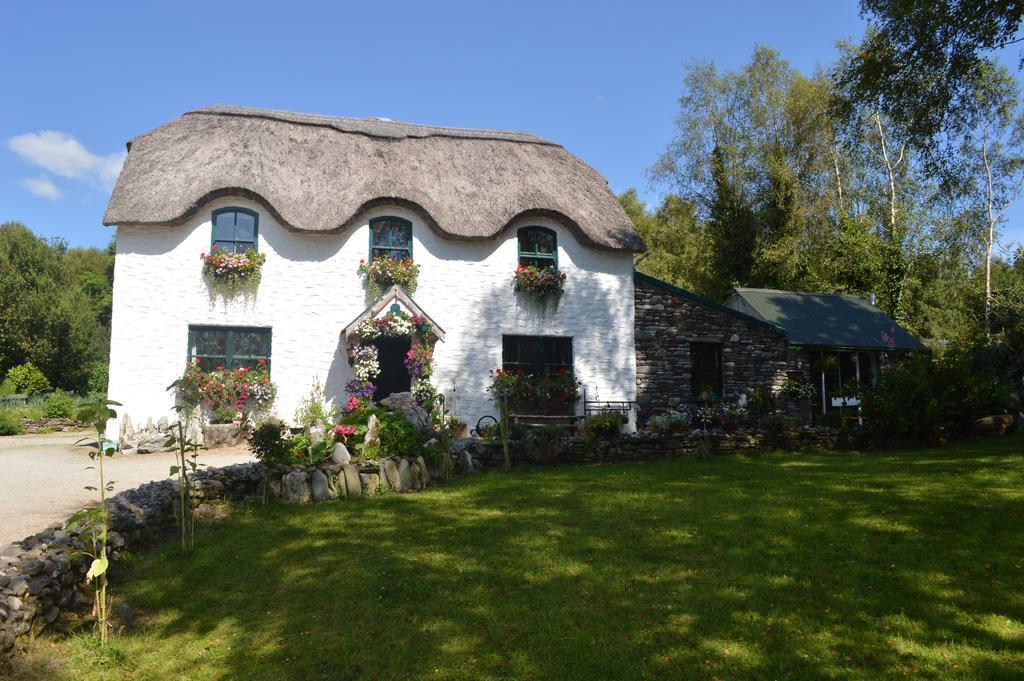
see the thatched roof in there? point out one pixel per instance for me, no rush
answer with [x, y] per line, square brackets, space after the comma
[319, 174]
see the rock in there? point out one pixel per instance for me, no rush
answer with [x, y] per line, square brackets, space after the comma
[194, 432]
[18, 586]
[115, 540]
[334, 489]
[153, 445]
[390, 474]
[212, 512]
[10, 550]
[405, 475]
[126, 432]
[993, 425]
[369, 482]
[422, 475]
[127, 615]
[162, 424]
[4, 581]
[275, 489]
[372, 438]
[222, 435]
[406, 405]
[295, 488]
[353, 487]
[340, 453]
[31, 567]
[316, 432]
[319, 487]
[466, 463]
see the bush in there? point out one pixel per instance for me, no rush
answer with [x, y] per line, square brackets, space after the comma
[314, 407]
[98, 377]
[922, 399]
[7, 388]
[9, 424]
[29, 380]
[606, 425]
[59, 405]
[268, 444]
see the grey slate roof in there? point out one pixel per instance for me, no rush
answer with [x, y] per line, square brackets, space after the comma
[320, 173]
[824, 319]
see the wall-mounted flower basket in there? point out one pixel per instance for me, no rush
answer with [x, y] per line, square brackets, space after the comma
[232, 271]
[539, 283]
[394, 324]
[382, 271]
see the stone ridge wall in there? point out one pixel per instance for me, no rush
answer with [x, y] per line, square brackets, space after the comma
[643, 446]
[666, 324]
[39, 582]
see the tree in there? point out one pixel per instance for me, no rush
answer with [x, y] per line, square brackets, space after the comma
[992, 152]
[46, 316]
[916, 66]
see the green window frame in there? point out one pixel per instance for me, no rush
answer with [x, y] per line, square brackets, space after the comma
[390, 236]
[538, 247]
[706, 368]
[537, 355]
[228, 347]
[234, 230]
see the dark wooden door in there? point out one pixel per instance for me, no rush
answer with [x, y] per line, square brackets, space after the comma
[393, 376]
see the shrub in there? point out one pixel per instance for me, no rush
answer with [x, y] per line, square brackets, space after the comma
[925, 399]
[27, 379]
[7, 388]
[98, 378]
[268, 443]
[605, 425]
[313, 407]
[671, 422]
[59, 405]
[9, 424]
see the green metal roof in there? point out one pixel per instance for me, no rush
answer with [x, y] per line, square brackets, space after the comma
[825, 319]
[697, 298]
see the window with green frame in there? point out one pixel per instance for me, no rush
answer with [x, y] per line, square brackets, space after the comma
[391, 237]
[538, 247]
[228, 347]
[537, 355]
[235, 230]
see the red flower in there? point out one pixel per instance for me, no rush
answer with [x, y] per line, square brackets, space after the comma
[263, 362]
[214, 247]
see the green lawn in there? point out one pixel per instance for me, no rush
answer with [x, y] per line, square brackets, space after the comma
[798, 566]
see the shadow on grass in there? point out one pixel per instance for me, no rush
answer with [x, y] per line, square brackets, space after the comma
[855, 567]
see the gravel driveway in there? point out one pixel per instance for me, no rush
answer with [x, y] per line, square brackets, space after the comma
[42, 476]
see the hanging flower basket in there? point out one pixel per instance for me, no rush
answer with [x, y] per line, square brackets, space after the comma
[419, 361]
[394, 324]
[232, 271]
[542, 283]
[382, 271]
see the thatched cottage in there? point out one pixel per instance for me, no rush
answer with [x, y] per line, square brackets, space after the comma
[314, 196]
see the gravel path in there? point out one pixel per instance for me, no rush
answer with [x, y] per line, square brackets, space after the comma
[42, 476]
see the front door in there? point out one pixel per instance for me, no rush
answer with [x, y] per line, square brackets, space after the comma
[393, 378]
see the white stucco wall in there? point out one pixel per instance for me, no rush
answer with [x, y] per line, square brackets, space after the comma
[310, 290]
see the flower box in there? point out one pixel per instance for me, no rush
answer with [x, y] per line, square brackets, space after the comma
[232, 270]
[541, 283]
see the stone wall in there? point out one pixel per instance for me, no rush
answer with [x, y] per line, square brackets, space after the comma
[476, 455]
[754, 354]
[40, 584]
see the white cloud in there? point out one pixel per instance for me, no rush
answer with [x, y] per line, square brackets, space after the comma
[63, 155]
[42, 187]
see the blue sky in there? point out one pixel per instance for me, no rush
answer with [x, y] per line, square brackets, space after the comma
[601, 78]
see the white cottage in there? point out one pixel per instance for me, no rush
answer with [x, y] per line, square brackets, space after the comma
[316, 195]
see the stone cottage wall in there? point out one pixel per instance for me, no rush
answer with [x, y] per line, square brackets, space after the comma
[753, 354]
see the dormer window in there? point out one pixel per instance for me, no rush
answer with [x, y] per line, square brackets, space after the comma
[235, 230]
[538, 247]
[390, 237]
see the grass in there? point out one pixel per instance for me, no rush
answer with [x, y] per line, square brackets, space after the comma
[799, 566]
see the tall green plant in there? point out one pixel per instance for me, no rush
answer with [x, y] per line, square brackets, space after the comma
[186, 400]
[93, 524]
